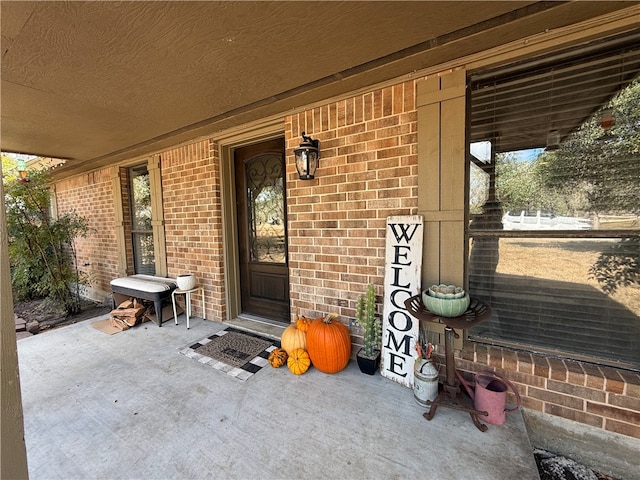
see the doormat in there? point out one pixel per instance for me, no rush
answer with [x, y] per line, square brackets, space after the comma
[238, 353]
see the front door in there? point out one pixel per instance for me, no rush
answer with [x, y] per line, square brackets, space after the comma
[262, 230]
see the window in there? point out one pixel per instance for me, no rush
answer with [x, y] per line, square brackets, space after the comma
[554, 202]
[141, 216]
[265, 206]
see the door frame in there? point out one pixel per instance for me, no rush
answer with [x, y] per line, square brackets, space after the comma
[267, 130]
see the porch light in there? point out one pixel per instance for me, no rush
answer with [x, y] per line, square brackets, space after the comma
[307, 157]
[606, 120]
[22, 171]
[553, 141]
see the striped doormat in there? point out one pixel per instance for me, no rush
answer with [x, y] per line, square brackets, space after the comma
[238, 353]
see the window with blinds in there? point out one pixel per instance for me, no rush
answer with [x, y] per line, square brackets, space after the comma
[554, 202]
[141, 228]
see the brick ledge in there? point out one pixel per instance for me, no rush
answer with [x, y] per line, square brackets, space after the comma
[595, 395]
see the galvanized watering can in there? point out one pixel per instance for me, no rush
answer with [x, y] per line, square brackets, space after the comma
[490, 395]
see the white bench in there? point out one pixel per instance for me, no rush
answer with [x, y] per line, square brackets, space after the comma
[146, 287]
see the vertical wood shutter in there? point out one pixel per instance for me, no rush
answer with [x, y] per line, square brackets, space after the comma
[157, 216]
[116, 187]
[441, 104]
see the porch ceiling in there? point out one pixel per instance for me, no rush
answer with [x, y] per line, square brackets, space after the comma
[97, 82]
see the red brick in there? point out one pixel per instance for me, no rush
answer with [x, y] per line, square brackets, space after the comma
[525, 362]
[595, 378]
[613, 381]
[575, 373]
[481, 354]
[509, 360]
[576, 391]
[558, 369]
[358, 110]
[398, 99]
[495, 357]
[540, 366]
[468, 352]
[409, 96]
[622, 428]
[533, 404]
[528, 379]
[377, 104]
[625, 401]
[575, 415]
[632, 380]
[556, 398]
[387, 142]
[623, 415]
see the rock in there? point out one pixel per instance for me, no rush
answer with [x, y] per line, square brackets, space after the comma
[557, 467]
[21, 324]
[33, 327]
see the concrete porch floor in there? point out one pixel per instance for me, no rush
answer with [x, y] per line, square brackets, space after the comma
[130, 406]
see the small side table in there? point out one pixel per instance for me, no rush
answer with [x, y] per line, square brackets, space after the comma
[187, 301]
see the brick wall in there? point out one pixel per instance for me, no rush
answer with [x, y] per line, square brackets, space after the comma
[91, 196]
[193, 221]
[598, 396]
[337, 222]
[368, 170]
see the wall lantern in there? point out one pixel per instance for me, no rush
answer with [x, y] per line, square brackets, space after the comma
[553, 141]
[307, 157]
[22, 171]
[606, 120]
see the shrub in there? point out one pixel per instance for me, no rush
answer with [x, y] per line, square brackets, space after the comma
[42, 250]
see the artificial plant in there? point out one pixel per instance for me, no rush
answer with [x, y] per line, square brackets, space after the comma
[367, 320]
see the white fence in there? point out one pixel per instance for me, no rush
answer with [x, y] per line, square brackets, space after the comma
[543, 221]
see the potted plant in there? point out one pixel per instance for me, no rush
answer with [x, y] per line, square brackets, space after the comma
[368, 356]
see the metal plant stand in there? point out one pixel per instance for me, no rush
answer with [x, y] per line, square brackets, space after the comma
[451, 395]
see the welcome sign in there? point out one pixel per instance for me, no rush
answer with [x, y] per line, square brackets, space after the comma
[403, 267]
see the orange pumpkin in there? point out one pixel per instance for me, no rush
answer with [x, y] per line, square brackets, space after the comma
[277, 357]
[298, 361]
[293, 338]
[303, 323]
[329, 344]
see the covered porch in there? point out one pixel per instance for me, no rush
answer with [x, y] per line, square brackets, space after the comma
[130, 405]
[128, 86]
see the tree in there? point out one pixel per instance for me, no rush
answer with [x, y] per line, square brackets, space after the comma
[618, 266]
[605, 168]
[520, 186]
[517, 185]
[593, 172]
[8, 167]
[42, 249]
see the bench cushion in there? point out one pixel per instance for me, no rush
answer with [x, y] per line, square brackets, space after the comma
[145, 283]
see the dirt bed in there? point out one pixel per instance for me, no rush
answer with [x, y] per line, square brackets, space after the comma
[49, 317]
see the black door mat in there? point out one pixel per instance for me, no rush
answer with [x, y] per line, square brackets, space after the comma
[238, 353]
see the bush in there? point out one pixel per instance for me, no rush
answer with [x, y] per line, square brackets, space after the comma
[41, 249]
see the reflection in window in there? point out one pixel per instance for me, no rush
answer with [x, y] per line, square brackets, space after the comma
[554, 199]
[266, 216]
